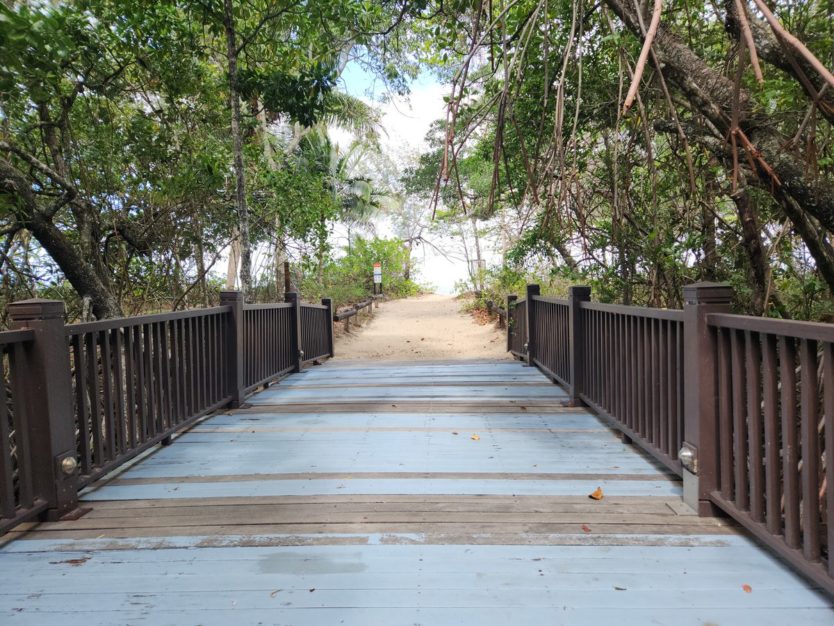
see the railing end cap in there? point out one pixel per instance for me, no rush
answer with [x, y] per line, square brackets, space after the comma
[36, 308]
[231, 295]
[708, 293]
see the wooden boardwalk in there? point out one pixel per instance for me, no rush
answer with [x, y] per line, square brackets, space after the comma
[387, 494]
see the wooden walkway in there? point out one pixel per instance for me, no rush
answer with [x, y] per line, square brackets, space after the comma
[387, 494]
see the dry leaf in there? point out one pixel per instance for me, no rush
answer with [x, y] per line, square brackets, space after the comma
[586, 528]
[454, 432]
[597, 495]
[475, 437]
[747, 588]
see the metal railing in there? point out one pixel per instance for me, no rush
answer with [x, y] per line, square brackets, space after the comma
[552, 330]
[775, 427]
[316, 345]
[268, 341]
[632, 373]
[345, 315]
[742, 408]
[517, 327]
[19, 500]
[135, 381]
[79, 400]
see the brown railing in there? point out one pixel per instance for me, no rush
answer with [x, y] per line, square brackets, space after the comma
[268, 341]
[775, 401]
[741, 407]
[316, 331]
[552, 331]
[517, 327]
[632, 373]
[136, 381]
[77, 401]
[345, 315]
[18, 498]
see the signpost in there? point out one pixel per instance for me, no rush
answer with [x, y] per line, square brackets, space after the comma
[377, 277]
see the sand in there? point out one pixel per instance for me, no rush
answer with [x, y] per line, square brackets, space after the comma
[427, 327]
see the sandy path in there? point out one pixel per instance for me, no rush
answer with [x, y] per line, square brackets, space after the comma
[421, 328]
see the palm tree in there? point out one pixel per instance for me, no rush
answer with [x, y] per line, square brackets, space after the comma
[352, 193]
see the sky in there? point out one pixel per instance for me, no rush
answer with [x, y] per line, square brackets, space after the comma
[406, 122]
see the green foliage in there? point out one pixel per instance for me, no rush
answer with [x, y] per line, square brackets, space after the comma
[349, 278]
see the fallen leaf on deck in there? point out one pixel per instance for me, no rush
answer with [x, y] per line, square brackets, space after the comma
[619, 588]
[747, 588]
[586, 528]
[454, 433]
[597, 495]
[274, 593]
[475, 437]
[312, 590]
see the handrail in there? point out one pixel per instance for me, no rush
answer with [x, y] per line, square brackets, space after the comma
[814, 331]
[550, 300]
[122, 322]
[267, 307]
[346, 314]
[741, 407]
[637, 311]
[86, 398]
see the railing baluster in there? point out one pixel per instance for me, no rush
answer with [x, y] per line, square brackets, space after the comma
[130, 388]
[753, 361]
[790, 456]
[810, 450]
[7, 496]
[725, 415]
[828, 407]
[82, 402]
[773, 492]
[118, 380]
[739, 423]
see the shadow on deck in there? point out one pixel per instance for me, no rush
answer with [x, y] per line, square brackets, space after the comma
[431, 493]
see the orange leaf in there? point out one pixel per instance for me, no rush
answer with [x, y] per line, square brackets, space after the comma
[586, 528]
[747, 588]
[597, 495]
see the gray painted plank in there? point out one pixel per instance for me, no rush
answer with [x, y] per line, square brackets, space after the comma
[479, 573]
[383, 486]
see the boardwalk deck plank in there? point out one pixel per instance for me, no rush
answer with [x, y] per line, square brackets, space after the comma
[355, 494]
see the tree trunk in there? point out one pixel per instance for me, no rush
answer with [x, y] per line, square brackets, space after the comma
[237, 149]
[758, 269]
[79, 271]
[479, 275]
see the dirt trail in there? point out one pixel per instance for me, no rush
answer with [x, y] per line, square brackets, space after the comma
[421, 328]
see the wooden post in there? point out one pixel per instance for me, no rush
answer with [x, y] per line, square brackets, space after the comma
[576, 295]
[237, 363]
[49, 404]
[510, 303]
[699, 454]
[532, 291]
[292, 298]
[328, 302]
[287, 279]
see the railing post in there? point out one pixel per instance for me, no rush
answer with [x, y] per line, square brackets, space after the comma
[510, 303]
[576, 295]
[292, 298]
[328, 302]
[532, 290]
[48, 398]
[237, 378]
[699, 453]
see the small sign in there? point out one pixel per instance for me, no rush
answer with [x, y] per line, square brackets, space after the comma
[378, 273]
